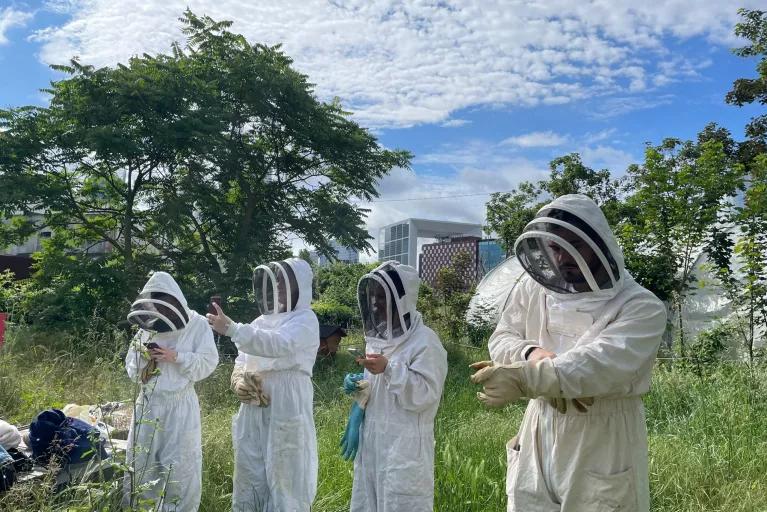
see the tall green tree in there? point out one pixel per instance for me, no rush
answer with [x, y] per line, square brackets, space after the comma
[204, 161]
[753, 27]
[285, 163]
[677, 195]
[453, 288]
[738, 245]
[737, 249]
[305, 255]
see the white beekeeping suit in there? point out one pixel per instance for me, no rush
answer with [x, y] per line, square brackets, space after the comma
[164, 443]
[394, 467]
[275, 445]
[582, 445]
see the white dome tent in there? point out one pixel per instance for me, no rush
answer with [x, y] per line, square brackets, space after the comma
[707, 303]
[493, 292]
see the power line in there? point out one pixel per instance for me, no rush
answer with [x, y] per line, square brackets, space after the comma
[435, 197]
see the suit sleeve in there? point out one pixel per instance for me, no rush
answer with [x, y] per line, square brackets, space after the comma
[617, 362]
[417, 385]
[200, 362]
[295, 336]
[509, 343]
[135, 362]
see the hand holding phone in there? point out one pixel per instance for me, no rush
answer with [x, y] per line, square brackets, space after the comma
[214, 299]
[151, 346]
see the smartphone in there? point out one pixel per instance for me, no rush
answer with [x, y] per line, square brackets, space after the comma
[214, 299]
[356, 352]
[151, 346]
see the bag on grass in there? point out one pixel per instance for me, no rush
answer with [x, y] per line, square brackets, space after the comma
[70, 440]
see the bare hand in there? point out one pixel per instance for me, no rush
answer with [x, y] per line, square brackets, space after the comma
[166, 355]
[219, 322]
[540, 353]
[374, 363]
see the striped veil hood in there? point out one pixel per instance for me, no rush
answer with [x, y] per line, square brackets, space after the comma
[573, 228]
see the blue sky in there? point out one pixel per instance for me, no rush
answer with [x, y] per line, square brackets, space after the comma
[483, 93]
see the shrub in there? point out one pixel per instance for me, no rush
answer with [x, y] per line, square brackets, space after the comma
[329, 312]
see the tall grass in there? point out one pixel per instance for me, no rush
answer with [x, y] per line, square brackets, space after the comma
[708, 434]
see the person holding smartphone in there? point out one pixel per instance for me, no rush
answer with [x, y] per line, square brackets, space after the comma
[390, 432]
[172, 350]
[275, 443]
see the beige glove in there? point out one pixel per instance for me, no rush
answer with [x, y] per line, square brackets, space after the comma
[151, 365]
[362, 395]
[581, 404]
[506, 383]
[148, 371]
[248, 386]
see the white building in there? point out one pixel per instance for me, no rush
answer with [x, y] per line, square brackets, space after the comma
[34, 243]
[399, 241]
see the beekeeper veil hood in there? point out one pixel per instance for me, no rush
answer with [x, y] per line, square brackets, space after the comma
[569, 248]
[160, 307]
[282, 286]
[387, 298]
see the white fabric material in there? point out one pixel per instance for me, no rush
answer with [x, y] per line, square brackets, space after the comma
[276, 446]
[394, 467]
[165, 441]
[9, 436]
[606, 343]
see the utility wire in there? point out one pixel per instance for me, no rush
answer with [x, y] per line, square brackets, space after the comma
[433, 197]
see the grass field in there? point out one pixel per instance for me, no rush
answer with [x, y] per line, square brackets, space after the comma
[708, 435]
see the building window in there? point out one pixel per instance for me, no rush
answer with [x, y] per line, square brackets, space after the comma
[394, 244]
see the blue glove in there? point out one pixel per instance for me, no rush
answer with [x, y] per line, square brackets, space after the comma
[351, 439]
[5, 457]
[350, 382]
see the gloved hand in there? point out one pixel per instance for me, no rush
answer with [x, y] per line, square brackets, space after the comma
[356, 385]
[350, 382]
[248, 386]
[581, 404]
[149, 371]
[506, 383]
[351, 438]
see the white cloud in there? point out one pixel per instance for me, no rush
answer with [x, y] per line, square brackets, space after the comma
[403, 63]
[606, 157]
[445, 197]
[591, 138]
[679, 68]
[480, 168]
[10, 17]
[606, 108]
[60, 6]
[455, 123]
[536, 140]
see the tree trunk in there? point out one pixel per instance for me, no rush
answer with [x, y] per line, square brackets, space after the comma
[678, 304]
